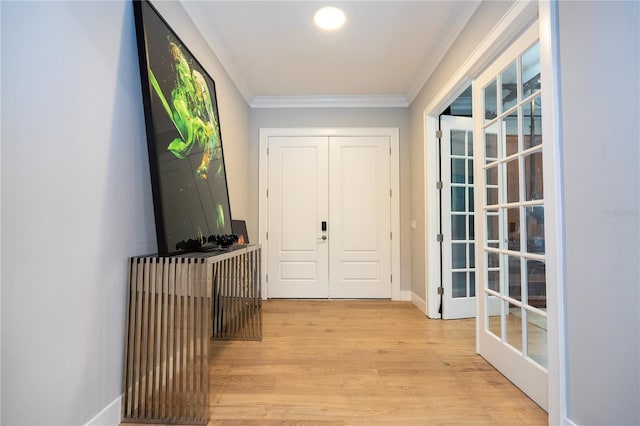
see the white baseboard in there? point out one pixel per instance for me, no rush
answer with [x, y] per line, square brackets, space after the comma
[405, 295]
[419, 302]
[567, 422]
[109, 416]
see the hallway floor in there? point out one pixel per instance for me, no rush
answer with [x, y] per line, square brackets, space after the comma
[360, 363]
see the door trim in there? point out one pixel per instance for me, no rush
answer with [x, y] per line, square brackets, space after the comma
[394, 136]
[515, 21]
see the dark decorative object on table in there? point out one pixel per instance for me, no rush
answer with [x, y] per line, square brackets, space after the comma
[191, 244]
[224, 241]
[198, 244]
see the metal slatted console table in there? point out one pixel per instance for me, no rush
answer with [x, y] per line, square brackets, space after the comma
[176, 304]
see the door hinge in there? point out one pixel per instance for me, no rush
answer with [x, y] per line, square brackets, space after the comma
[389, 150]
[391, 193]
[440, 238]
[391, 235]
[266, 278]
[267, 193]
[267, 150]
[439, 185]
[438, 134]
[266, 235]
[391, 278]
[440, 291]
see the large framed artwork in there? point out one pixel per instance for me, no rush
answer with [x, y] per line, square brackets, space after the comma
[188, 176]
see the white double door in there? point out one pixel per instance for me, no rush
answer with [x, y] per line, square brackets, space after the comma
[328, 207]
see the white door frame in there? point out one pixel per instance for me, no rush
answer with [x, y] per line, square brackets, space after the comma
[518, 18]
[394, 136]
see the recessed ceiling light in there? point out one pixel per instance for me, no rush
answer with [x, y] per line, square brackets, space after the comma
[329, 18]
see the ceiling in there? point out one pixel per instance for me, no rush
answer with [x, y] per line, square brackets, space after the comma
[383, 55]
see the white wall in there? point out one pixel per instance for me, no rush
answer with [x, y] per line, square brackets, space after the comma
[75, 203]
[482, 22]
[339, 117]
[600, 95]
[76, 199]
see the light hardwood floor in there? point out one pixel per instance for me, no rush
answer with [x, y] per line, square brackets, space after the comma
[360, 363]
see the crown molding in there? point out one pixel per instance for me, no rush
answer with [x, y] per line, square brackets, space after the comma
[363, 101]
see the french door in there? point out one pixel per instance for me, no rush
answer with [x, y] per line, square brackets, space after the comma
[510, 217]
[329, 217]
[458, 219]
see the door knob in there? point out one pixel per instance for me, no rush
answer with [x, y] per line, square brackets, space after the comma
[324, 237]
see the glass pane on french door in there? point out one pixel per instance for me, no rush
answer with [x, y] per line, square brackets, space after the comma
[511, 240]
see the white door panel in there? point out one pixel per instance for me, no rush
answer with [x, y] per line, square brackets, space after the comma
[360, 216]
[297, 204]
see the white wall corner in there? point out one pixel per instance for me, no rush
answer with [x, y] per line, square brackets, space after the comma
[419, 302]
[405, 295]
[109, 415]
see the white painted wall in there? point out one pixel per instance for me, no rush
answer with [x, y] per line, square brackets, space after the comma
[338, 117]
[75, 203]
[485, 18]
[76, 199]
[600, 96]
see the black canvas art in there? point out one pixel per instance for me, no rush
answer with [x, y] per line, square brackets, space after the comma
[191, 201]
